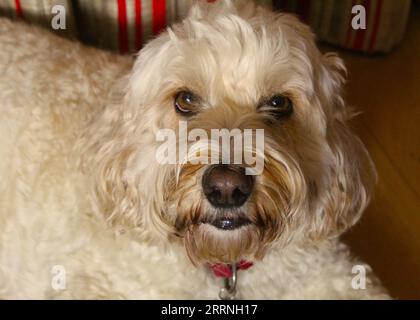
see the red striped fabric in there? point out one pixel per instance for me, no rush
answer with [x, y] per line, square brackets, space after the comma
[159, 15]
[360, 34]
[137, 10]
[375, 25]
[122, 26]
[18, 9]
[161, 12]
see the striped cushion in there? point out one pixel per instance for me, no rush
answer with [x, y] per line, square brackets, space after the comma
[331, 21]
[124, 25]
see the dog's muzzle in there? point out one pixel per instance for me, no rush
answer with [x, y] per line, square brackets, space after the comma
[227, 188]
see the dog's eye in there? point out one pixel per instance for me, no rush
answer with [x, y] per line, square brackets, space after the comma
[278, 105]
[186, 103]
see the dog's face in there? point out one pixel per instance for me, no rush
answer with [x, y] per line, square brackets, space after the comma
[224, 68]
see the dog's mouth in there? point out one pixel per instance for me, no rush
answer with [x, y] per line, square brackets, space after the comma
[228, 222]
[224, 223]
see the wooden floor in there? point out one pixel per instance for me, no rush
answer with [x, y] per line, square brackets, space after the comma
[386, 88]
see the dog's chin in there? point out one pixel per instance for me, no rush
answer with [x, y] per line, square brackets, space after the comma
[216, 243]
[222, 238]
[226, 235]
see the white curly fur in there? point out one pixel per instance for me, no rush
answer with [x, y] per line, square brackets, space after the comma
[80, 188]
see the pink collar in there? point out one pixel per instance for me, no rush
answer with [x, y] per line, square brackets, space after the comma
[225, 270]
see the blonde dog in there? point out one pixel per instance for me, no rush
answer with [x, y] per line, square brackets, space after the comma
[87, 211]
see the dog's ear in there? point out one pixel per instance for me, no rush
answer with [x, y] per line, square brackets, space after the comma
[104, 151]
[351, 174]
[351, 177]
[115, 139]
[331, 78]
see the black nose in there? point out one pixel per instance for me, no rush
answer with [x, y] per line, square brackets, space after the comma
[227, 186]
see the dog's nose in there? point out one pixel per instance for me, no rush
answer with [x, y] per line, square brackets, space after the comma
[227, 186]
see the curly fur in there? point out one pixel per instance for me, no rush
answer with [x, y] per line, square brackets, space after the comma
[80, 186]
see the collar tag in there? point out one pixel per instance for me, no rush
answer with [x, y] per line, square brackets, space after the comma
[229, 291]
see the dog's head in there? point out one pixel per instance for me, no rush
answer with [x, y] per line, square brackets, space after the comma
[230, 67]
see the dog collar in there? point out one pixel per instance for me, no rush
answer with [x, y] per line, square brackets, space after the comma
[229, 273]
[225, 270]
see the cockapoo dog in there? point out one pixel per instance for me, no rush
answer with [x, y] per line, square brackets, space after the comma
[88, 212]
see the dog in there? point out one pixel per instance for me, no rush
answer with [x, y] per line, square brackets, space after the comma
[87, 211]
